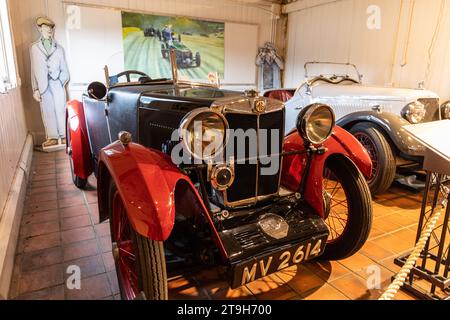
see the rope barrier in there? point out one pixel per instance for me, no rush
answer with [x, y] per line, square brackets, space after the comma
[401, 277]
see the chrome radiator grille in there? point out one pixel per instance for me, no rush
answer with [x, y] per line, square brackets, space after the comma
[432, 109]
[250, 185]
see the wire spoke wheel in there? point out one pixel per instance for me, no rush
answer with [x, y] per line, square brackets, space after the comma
[124, 250]
[348, 208]
[140, 261]
[381, 153]
[369, 144]
[337, 218]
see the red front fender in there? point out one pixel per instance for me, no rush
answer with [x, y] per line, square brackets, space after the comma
[81, 152]
[340, 143]
[150, 186]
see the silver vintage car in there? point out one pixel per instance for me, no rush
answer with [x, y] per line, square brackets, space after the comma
[375, 115]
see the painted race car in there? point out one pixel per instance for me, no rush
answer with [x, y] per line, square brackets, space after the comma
[173, 206]
[374, 115]
[150, 32]
[185, 56]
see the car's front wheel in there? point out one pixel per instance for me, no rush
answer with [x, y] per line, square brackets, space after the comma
[380, 151]
[198, 59]
[140, 262]
[348, 208]
[164, 51]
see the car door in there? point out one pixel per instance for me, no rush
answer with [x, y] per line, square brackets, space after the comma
[97, 125]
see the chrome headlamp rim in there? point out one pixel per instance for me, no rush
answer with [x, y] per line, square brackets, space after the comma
[214, 177]
[445, 110]
[411, 115]
[187, 120]
[303, 120]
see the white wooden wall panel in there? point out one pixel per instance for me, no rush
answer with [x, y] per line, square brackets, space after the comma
[13, 133]
[337, 31]
[12, 138]
[240, 54]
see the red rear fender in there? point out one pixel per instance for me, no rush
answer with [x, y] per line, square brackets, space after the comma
[80, 148]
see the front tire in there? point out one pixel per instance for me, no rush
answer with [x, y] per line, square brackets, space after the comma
[198, 59]
[140, 262]
[380, 151]
[164, 51]
[348, 207]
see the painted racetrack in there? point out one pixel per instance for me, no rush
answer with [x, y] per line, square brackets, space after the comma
[144, 54]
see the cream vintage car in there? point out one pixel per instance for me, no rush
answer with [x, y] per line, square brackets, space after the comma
[375, 115]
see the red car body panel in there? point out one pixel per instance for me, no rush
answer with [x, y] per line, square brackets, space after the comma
[147, 181]
[81, 153]
[340, 143]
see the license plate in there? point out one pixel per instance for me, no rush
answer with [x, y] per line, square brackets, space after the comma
[273, 262]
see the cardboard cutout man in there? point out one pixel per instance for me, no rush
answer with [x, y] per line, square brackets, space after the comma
[49, 76]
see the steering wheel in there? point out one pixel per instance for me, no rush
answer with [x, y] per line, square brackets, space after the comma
[132, 72]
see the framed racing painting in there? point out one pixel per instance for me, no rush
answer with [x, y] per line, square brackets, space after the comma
[148, 39]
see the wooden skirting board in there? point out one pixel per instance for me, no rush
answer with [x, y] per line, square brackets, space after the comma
[11, 217]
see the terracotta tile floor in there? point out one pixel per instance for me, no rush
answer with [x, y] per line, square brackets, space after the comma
[60, 228]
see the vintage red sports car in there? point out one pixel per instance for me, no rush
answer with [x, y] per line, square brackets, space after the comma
[253, 216]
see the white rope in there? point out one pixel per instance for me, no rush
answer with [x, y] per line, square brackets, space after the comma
[401, 277]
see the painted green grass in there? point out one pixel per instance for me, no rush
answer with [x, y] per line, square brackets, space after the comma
[144, 54]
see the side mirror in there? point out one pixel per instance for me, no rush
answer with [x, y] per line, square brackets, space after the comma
[97, 91]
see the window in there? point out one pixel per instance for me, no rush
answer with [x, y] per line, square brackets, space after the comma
[8, 76]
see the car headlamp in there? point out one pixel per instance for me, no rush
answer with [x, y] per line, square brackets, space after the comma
[414, 112]
[222, 177]
[204, 133]
[316, 123]
[445, 110]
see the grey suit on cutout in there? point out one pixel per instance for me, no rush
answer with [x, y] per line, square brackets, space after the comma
[49, 75]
